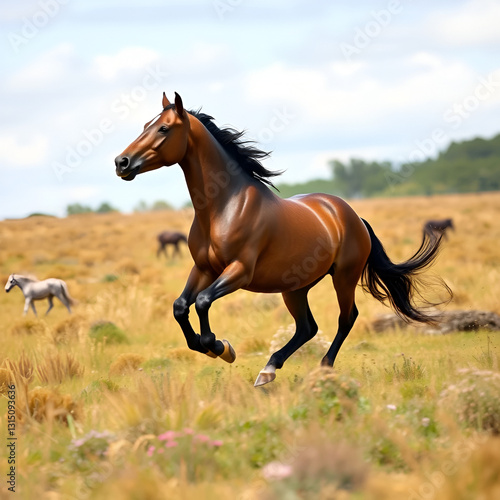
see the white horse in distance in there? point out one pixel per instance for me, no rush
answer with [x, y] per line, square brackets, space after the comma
[38, 290]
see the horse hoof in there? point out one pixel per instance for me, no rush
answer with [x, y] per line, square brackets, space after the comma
[228, 355]
[210, 354]
[265, 376]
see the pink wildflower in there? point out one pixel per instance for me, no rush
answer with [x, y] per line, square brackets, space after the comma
[276, 471]
[151, 450]
[171, 444]
[188, 430]
[202, 437]
[391, 407]
[167, 436]
[216, 443]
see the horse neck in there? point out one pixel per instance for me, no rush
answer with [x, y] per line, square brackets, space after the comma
[211, 176]
[22, 281]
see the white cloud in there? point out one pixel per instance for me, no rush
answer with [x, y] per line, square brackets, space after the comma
[320, 94]
[475, 22]
[46, 70]
[23, 151]
[128, 59]
[426, 60]
[81, 193]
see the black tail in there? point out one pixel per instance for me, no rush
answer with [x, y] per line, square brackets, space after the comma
[398, 283]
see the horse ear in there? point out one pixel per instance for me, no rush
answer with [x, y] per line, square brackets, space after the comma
[179, 107]
[165, 102]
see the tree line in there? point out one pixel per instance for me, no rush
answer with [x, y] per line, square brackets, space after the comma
[105, 207]
[468, 166]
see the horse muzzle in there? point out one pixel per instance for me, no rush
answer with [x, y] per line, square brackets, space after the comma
[126, 169]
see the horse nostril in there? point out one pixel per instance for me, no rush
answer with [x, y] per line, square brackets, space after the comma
[122, 162]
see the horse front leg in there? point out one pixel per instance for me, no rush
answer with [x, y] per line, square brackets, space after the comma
[27, 304]
[196, 282]
[234, 277]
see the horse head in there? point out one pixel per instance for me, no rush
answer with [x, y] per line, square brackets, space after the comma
[11, 282]
[162, 143]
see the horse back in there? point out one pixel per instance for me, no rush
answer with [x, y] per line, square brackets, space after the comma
[307, 237]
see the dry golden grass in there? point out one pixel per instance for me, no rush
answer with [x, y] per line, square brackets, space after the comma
[48, 404]
[125, 363]
[57, 367]
[6, 379]
[23, 367]
[382, 402]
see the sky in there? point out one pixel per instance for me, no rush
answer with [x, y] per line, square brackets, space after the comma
[311, 81]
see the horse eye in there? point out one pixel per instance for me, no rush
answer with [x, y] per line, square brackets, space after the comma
[163, 129]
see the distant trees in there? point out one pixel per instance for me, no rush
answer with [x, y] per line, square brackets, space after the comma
[142, 206]
[467, 166]
[105, 207]
[359, 179]
[77, 208]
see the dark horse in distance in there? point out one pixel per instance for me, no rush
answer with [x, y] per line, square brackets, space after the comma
[438, 228]
[245, 236]
[166, 238]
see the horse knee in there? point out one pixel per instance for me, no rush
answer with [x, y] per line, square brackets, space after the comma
[203, 302]
[181, 309]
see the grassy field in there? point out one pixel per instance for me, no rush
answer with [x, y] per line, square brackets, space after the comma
[111, 404]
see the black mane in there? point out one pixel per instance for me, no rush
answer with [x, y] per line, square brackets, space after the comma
[242, 151]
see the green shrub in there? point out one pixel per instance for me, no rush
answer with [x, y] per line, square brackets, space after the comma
[107, 332]
[109, 278]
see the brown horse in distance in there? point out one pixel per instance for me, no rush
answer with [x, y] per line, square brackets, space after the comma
[166, 238]
[245, 236]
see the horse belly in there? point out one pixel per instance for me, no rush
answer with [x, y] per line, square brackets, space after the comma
[39, 291]
[291, 269]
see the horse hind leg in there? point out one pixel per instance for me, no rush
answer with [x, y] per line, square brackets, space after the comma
[305, 329]
[345, 285]
[63, 298]
[51, 304]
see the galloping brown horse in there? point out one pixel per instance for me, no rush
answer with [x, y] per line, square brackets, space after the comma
[245, 236]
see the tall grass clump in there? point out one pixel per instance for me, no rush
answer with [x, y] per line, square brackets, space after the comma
[333, 393]
[49, 404]
[28, 326]
[23, 368]
[57, 367]
[409, 370]
[475, 399]
[319, 468]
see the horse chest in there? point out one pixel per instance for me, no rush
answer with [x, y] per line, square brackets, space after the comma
[211, 258]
